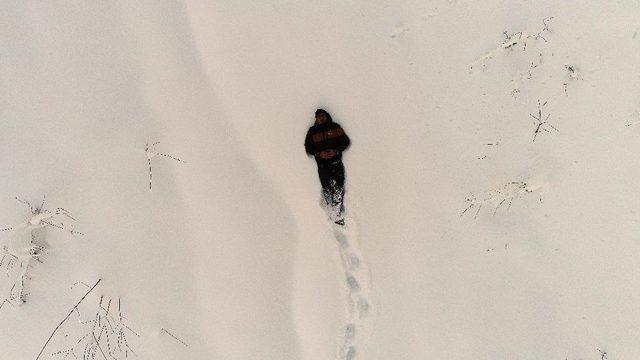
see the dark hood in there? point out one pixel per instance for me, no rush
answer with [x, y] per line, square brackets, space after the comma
[329, 118]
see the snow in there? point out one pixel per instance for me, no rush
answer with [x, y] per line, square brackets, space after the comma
[230, 255]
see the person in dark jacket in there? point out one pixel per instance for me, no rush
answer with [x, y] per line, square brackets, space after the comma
[325, 141]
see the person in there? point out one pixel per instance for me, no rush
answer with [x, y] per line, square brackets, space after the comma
[326, 141]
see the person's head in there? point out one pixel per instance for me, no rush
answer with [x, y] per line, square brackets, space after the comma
[322, 116]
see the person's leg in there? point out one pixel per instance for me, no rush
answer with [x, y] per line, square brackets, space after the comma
[338, 174]
[337, 189]
[324, 172]
[332, 181]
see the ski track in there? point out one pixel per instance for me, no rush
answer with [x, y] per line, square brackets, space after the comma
[358, 285]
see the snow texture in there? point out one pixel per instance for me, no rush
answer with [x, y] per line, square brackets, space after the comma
[526, 114]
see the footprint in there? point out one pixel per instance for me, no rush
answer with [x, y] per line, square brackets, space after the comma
[351, 353]
[354, 261]
[357, 304]
[363, 307]
[352, 282]
[399, 30]
[342, 239]
[350, 332]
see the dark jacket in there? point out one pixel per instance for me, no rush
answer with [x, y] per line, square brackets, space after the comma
[329, 135]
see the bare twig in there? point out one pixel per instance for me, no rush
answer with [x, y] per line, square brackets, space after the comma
[492, 144]
[510, 42]
[5, 301]
[603, 354]
[473, 203]
[67, 317]
[150, 151]
[505, 195]
[81, 283]
[99, 347]
[163, 330]
[106, 334]
[540, 124]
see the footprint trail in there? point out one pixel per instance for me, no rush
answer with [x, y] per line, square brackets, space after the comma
[357, 280]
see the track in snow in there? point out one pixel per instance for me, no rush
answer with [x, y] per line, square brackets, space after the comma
[358, 284]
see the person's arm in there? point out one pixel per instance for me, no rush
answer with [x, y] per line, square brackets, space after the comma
[343, 142]
[309, 146]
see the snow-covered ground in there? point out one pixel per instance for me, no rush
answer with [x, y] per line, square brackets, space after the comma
[492, 211]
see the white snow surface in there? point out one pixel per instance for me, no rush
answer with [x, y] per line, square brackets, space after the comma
[231, 256]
